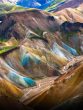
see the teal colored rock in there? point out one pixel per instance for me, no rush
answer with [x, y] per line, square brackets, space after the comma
[25, 60]
[29, 81]
[17, 79]
[20, 80]
[70, 49]
[13, 76]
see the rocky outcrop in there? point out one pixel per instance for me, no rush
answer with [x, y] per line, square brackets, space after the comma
[55, 92]
[72, 26]
[15, 24]
[71, 14]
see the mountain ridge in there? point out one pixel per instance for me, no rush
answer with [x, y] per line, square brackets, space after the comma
[45, 68]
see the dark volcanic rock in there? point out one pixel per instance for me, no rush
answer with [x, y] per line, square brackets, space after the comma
[11, 104]
[75, 103]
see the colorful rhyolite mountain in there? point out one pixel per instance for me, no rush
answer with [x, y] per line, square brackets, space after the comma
[34, 51]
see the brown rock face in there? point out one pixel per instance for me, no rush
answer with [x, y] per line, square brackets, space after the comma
[65, 91]
[71, 14]
[16, 24]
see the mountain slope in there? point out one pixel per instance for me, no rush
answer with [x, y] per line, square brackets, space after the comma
[61, 4]
[42, 57]
[71, 14]
[32, 22]
[72, 25]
